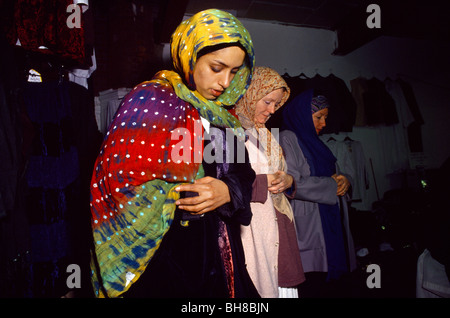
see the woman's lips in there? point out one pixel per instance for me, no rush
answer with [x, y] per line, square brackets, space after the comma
[216, 93]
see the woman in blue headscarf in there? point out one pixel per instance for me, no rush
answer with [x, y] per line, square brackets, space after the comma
[316, 203]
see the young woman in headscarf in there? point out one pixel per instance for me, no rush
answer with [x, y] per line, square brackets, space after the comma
[166, 223]
[270, 242]
[316, 205]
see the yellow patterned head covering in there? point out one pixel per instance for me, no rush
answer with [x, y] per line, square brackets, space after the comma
[204, 29]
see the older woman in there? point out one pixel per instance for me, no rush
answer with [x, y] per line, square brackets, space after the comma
[166, 223]
[270, 243]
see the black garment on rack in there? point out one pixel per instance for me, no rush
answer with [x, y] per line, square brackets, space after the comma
[10, 129]
[62, 154]
[379, 105]
[52, 176]
[15, 277]
[374, 104]
[411, 100]
[415, 128]
[342, 111]
[48, 153]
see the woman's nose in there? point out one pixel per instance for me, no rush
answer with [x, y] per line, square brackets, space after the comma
[271, 108]
[225, 80]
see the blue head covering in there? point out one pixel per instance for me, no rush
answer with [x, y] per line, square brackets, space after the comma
[297, 118]
[318, 103]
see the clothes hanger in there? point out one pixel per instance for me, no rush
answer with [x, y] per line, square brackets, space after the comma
[347, 137]
[331, 75]
[286, 75]
[317, 75]
[302, 75]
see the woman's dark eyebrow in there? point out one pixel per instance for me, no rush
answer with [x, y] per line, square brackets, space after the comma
[220, 62]
[226, 65]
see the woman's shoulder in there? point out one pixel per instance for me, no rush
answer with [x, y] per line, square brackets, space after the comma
[153, 95]
[287, 134]
[153, 91]
[152, 104]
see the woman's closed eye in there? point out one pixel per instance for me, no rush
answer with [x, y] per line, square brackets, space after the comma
[269, 102]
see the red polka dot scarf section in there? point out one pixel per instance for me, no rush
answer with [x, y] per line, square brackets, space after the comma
[141, 161]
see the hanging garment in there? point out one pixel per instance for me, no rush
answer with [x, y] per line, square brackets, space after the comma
[411, 100]
[10, 152]
[374, 104]
[346, 166]
[41, 26]
[342, 110]
[395, 90]
[351, 160]
[53, 189]
[341, 151]
[359, 87]
[400, 155]
[361, 181]
[108, 103]
[15, 264]
[414, 129]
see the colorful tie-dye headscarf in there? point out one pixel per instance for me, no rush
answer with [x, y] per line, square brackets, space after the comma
[204, 29]
[135, 174]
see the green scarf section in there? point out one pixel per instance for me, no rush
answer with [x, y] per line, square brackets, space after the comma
[211, 110]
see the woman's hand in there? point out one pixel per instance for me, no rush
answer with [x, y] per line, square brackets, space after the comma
[342, 184]
[212, 193]
[279, 181]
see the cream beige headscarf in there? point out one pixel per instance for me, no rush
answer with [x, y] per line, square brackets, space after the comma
[264, 81]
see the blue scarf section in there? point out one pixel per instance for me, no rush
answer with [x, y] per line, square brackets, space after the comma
[297, 118]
